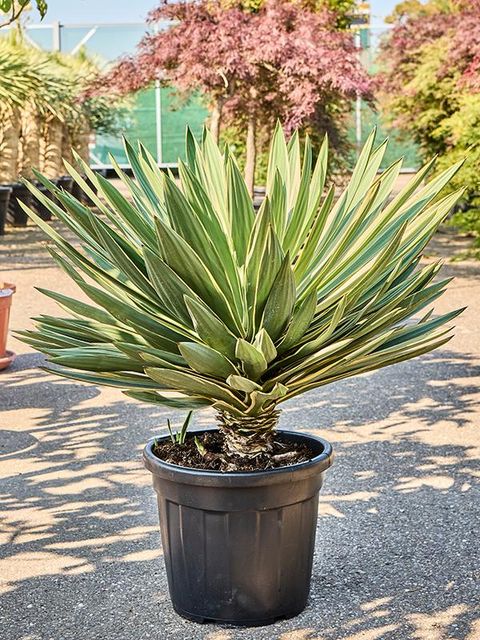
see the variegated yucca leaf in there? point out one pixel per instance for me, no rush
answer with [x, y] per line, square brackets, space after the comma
[197, 300]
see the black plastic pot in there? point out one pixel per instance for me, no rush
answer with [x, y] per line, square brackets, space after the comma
[65, 182]
[80, 195]
[16, 215]
[41, 209]
[5, 192]
[77, 191]
[238, 547]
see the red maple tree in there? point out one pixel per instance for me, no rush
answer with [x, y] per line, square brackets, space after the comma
[281, 62]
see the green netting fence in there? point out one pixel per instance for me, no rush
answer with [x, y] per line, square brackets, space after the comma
[158, 119]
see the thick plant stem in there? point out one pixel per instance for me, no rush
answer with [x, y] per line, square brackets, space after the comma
[51, 148]
[29, 148]
[251, 154]
[67, 144]
[249, 436]
[216, 120]
[10, 128]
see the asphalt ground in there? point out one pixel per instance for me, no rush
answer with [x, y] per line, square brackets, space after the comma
[397, 552]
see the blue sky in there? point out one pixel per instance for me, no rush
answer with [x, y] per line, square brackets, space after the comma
[88, 11]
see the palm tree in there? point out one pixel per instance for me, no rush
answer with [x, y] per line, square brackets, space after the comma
[16, 84]
[28, 91]
[44, 108]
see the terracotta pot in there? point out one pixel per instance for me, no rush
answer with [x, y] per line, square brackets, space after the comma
[6, 292]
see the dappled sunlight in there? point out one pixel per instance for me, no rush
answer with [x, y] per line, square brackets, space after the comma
[372, 634]
[219, 635]
[423, 415]
[474, 633]
[326, 508]
[435, 482]
[377, 620]
[100, 544]
[77, 504]
[374, 604]
[141, 556]
[436, 626]
[73, 501]
[300, 634]
[366, 475]
[29, 565]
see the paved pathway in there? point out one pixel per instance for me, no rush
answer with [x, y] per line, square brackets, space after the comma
[397, 542]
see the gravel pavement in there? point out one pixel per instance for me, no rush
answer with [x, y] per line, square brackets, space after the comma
[397, 555]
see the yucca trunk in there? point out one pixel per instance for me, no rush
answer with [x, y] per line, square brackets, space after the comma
[29, 149]
[248, 436]
[10, 127]
[251, 155]
[51, 147]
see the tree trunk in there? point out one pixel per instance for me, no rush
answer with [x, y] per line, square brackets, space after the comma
[81, 140]
[67, 144]
[251, 154]
[9, 141]
[216, 120]
[248, 436]
[51, 148]
[29, 151]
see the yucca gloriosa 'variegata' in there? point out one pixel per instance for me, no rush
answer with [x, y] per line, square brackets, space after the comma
[198, 300]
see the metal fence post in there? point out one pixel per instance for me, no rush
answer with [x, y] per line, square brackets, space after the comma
[158, 114]
[358, 105]
[56, 36]
[158, 121]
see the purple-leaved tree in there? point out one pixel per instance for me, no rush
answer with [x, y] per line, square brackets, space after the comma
[283, 62]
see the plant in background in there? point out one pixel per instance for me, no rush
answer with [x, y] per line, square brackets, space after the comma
[44, 109]
[86, 114]
[13, 9]
[199, 302]
[343, 9]
[27, 86]
[430, 81]
[284, 61]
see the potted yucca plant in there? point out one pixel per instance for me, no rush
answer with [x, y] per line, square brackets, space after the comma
[198, 301]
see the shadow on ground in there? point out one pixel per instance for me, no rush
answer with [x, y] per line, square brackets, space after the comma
[396, 538]
[24, 247]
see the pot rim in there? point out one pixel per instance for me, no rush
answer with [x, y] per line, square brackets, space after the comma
[17, 185]
[5, 287]
[192, 475]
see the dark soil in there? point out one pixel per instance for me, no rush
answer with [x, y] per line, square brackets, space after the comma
[284, 453]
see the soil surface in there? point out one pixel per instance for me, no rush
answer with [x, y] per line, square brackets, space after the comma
[213, 455]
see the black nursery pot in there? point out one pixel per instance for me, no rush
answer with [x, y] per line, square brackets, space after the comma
[43, 211]
[80, 195]
[238, 547]
[65, 182]
[16, 215]
[5, 192]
